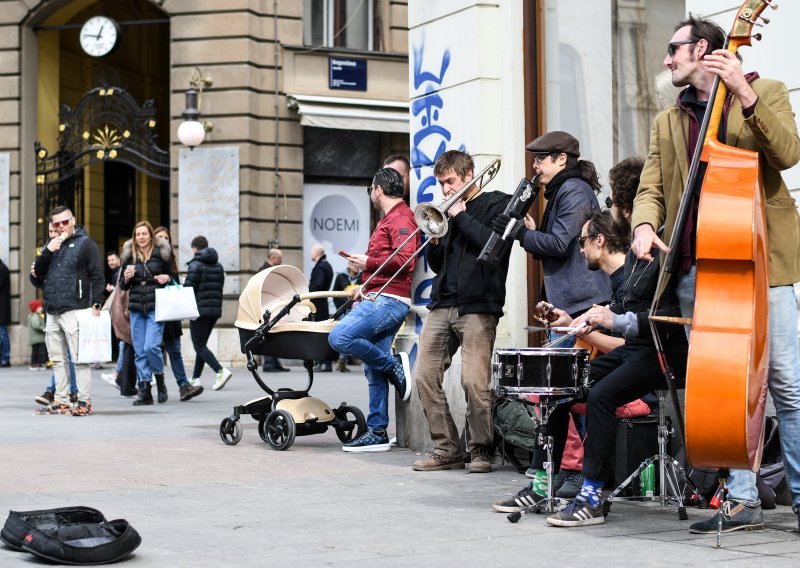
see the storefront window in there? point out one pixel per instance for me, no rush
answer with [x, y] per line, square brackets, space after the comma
[601, 86]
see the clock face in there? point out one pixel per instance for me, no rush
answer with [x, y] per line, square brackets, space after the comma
[99, 36]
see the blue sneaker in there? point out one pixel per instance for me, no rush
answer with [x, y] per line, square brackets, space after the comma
[400, 376]
[369, 441]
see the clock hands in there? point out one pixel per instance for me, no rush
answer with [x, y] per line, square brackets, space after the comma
[100, 33]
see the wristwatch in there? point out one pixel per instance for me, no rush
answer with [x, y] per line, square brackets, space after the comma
[97, 305]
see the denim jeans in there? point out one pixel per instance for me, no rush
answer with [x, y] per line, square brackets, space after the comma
[367, 332]
[784, 386]
[147, 335]
[118, 368]
[5, 345]
[73, 384]
[173, 349]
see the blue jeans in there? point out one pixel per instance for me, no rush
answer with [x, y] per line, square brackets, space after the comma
[73, 383]
[118, 368]
[784, 386]
[5, 345]
[147, 335]
[367, 332]
[173, 349]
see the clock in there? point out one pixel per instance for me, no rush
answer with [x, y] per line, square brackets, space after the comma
[99, 36]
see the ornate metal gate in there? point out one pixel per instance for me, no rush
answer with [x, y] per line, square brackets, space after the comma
[107, 124]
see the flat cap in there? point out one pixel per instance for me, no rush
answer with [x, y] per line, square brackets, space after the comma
[556, 141]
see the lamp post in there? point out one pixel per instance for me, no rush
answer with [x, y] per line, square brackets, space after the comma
[192, 131]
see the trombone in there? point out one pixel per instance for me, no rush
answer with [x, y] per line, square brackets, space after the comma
[431, 220]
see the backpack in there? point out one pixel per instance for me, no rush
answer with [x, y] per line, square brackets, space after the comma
[515, 423]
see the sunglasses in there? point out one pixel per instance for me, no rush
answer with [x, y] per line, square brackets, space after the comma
[63, 223]
[672, 46]
[540, 156]
[369, 189]
[609, 202]
[582, 240]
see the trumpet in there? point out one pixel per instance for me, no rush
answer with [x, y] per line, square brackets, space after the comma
[431, 220]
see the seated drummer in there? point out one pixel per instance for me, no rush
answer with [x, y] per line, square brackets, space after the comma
[618, 377]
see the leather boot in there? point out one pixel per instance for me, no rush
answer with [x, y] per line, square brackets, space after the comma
[161, 388]
[144, 395]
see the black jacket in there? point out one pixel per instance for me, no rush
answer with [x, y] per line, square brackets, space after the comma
[638, 288]
[321, 279]
[72, 277]
[207, 277]
[5, 294]
[480, 290]
[142, 286]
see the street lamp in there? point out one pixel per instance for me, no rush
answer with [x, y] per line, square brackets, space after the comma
[192, 130]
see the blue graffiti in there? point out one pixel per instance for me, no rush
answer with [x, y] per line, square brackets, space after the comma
[427, 112]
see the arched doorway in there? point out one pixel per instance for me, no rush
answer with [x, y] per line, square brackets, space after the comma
[103, 122]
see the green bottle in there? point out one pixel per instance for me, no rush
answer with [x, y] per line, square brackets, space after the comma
[648, 479]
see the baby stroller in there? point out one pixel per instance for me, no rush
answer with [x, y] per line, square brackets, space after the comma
[274, 318]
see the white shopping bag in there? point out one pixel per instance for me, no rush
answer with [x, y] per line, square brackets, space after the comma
[94, 337]
[174, 302]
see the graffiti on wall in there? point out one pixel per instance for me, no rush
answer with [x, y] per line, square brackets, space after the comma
[431, 135]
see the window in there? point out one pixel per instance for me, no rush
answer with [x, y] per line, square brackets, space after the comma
[338, 23]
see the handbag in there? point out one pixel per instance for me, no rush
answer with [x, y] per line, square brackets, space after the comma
[175, 302]
[94, 337]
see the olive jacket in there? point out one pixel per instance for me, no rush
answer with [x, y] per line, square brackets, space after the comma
[772, 131]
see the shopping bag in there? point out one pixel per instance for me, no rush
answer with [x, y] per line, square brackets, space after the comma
[94, 337]
[175, 302]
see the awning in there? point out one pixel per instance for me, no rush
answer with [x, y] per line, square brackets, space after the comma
[350, 113]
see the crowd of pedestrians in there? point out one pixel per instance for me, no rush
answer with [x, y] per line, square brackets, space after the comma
[70, 274]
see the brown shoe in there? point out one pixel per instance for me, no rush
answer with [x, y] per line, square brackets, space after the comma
[438, 463]
[479, 460]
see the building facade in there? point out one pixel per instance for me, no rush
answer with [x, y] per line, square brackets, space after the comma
[95, 126]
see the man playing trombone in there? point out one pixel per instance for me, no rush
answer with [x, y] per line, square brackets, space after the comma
[368, 330]
[466, 303]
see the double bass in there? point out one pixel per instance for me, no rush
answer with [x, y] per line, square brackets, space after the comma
[726, 374]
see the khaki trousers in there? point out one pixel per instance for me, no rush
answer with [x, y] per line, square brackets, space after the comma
[443, 332]
[61, 337]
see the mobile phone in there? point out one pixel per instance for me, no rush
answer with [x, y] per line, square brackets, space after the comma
[344, 254]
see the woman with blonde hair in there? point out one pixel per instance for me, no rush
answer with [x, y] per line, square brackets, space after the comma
[147, 267]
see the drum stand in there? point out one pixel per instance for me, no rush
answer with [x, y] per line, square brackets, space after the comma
[672, 477]
[544, 436]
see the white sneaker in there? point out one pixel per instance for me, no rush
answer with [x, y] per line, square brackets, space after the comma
[110, 378]
[222, 377]
[195, 381]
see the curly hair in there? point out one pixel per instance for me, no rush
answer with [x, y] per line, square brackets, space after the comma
[601, 223]
[624, 181]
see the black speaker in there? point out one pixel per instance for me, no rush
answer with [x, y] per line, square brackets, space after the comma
[637, 440]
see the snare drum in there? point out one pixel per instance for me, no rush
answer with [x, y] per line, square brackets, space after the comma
[535, 370]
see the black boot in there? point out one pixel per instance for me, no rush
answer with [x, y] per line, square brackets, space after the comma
[144, 395]
[161, 388]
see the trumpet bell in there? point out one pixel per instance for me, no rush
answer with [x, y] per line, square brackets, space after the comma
[431, 220]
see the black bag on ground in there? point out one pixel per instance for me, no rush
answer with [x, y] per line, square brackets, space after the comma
[771, 475]
[126, 379]
[70, 535]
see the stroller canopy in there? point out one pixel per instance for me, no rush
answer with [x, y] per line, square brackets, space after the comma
[271, 289]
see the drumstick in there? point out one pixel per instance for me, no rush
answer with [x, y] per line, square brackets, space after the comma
[558, 328]
[562, 339]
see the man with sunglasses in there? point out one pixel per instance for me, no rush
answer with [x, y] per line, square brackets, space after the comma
[367, 331]
[758, 116]
[71, 271]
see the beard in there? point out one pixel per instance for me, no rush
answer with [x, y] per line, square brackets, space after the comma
[593, 265]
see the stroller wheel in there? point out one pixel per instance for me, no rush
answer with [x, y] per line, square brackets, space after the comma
[278, 429]
[351, 425]
[230, 431]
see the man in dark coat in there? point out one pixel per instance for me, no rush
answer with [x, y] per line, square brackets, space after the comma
[268, 363]
[5, 315]
[321, 280]
[71, 272]
[207, 277]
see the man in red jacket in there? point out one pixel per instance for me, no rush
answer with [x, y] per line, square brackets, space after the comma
[368, 330]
